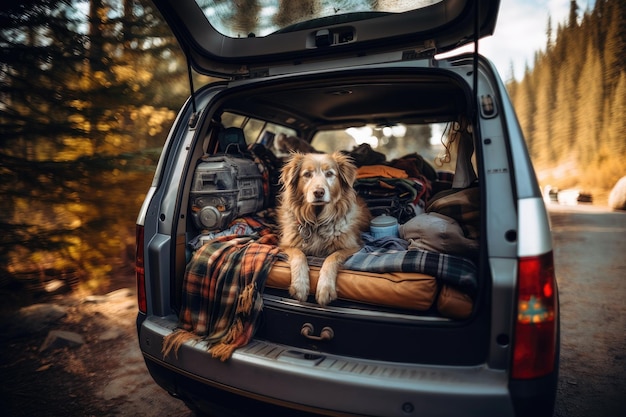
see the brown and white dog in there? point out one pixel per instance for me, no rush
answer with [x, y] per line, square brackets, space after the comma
[320, 215]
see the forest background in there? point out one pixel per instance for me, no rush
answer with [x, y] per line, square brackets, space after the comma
[89, 89]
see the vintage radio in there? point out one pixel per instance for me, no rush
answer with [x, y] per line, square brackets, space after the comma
[225, 187]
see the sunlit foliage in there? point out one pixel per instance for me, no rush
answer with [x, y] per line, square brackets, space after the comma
[571, 105]
[88, 90]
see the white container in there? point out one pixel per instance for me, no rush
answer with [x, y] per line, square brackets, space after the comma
[384, 226]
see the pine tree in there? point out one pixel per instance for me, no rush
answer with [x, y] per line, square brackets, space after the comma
[590, 107]
[525, 109]
[511, 83]
[614, 48]
[617, 125]
[75, 106]
[573, 14]
[614, 136]
[290, 12]
[549, 41]
[544, 123]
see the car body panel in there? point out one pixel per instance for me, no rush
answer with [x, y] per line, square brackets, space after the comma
[438, 27]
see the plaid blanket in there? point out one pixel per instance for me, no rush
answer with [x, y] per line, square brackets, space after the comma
[222, 293]
[456, 271]
[463, 205]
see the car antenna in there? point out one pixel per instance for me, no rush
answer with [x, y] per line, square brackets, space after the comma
[194, 116]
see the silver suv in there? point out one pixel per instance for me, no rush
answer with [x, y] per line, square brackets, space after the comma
[455, 314]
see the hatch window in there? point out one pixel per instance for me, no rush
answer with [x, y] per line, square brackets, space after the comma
[263, 17]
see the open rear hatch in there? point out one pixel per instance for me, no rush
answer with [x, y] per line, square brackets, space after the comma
[248, 39]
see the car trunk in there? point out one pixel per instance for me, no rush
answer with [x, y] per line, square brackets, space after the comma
[358, 328]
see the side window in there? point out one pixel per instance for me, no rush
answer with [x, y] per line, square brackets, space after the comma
[393, 141]
[257, 131]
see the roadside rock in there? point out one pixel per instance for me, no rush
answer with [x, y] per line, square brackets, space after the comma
[111, 334]
[58, 339]
[42, 313]
[33, 319]
[617, 197]
[122, 293]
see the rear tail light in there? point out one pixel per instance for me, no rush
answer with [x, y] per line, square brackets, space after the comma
[140, 272]
[534, 345]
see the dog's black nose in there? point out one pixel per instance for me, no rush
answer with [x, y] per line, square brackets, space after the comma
[318, 193]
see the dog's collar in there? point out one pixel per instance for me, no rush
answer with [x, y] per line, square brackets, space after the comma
[306, 231]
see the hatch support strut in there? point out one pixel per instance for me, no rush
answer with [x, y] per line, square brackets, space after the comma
[194, 116]
[475, 60]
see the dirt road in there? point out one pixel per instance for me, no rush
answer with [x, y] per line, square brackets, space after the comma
[106, 376]
[591, 273]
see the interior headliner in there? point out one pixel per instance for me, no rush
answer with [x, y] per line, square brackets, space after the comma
[341, 104]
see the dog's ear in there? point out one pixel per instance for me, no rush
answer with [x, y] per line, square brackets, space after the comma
[291, 171]
[347, 169]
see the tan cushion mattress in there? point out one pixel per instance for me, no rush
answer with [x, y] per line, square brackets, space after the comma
[453, 303]
[413, 291]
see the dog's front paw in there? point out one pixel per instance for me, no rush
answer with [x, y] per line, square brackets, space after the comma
[299, 288]
[326, 290]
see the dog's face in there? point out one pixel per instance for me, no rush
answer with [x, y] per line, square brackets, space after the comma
[318, 179]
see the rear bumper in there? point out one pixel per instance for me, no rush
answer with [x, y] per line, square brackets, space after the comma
[536, 398]
[306, 381]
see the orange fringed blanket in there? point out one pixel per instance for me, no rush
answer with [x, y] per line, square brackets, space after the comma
[222, 293]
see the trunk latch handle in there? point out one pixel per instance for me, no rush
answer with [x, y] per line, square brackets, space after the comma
[307, 330]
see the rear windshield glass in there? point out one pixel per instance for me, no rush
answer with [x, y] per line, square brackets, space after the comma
[245, 18]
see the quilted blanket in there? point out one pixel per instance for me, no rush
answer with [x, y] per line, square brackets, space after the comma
[453, 270]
